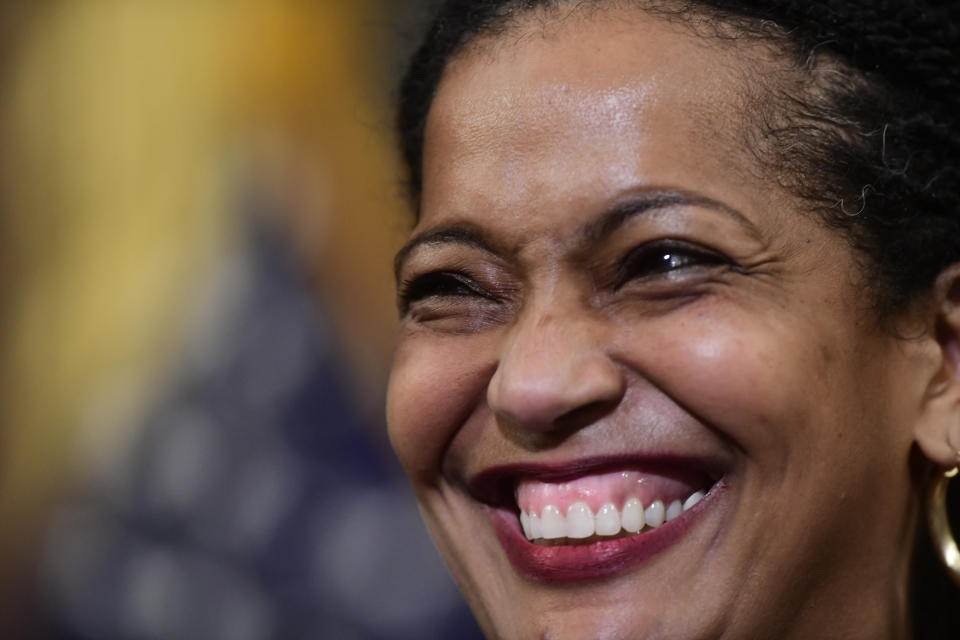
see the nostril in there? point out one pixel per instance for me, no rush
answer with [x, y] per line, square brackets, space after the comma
[529, 438]
[561, 428]
[582, 416]
[570, 391]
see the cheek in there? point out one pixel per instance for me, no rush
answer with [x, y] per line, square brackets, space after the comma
[435, 386]
[753, 378]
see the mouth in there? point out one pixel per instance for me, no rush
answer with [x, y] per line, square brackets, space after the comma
[595, 518]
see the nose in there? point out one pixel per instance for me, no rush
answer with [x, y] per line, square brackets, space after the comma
[551, 369]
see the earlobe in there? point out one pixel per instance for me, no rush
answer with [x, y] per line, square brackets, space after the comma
[938, 430]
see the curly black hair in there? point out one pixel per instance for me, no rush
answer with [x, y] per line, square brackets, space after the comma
[873, 146]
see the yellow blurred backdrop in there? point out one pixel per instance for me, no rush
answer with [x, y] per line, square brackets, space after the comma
[125, 125]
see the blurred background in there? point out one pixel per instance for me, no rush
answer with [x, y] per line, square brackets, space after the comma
[199, 204]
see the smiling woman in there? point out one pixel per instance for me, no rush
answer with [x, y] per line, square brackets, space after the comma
[678, 354]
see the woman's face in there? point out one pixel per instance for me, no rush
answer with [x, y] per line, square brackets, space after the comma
[604, 303]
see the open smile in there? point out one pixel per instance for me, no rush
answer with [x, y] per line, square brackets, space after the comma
[594, 518]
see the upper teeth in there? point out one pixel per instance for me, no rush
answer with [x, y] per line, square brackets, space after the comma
[580, 521]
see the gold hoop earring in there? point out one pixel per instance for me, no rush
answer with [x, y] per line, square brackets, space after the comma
[943, 540]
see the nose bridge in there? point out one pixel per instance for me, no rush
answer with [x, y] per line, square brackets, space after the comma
[554, 362]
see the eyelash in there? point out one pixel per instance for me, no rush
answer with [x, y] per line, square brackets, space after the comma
[656, 259]
[663, 258]
[439, 284]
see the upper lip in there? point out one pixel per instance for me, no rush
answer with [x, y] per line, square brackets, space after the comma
[495, 485]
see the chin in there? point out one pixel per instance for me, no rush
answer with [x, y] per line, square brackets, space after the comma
[644, 574]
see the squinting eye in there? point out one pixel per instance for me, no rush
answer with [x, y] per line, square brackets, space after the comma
[438, 284]
[663, 258]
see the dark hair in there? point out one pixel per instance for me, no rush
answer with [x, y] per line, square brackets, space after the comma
[874, 148]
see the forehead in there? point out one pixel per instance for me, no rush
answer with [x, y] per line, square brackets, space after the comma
[575, 108]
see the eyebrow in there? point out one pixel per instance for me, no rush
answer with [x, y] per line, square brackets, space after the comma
[593, 233]
[646, 201]
[462, 233]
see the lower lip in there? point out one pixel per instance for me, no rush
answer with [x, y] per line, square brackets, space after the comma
[601, 559]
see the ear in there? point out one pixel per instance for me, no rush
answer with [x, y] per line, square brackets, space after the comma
[937, 431]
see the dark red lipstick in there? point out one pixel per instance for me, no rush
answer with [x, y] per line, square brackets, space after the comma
[595, 559]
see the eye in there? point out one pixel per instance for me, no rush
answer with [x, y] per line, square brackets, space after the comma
[666, 258]
[440, 285]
